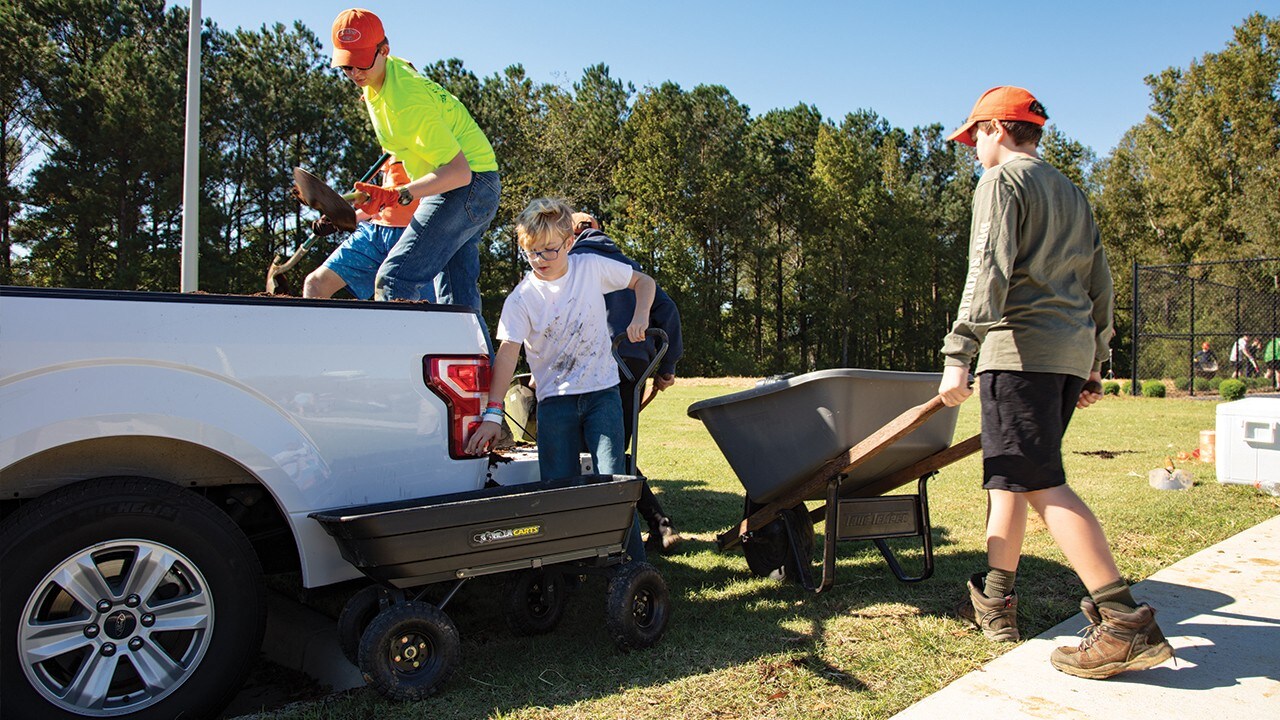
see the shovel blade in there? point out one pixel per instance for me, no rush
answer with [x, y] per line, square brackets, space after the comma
[314, 193]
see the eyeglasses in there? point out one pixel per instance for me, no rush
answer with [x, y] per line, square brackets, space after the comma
[353, 68]
[548, 254]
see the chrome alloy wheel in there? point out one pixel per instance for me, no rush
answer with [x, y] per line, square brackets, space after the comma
[115, 627]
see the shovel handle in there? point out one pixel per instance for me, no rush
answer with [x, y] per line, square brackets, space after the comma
[295, 257]
[355, 196]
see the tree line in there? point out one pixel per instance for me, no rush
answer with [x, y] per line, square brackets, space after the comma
[790, 241]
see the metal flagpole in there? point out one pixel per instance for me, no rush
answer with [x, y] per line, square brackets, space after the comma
[191, 159]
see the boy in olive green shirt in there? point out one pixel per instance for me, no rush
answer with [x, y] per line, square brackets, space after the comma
[453, 170]
[1036, 310]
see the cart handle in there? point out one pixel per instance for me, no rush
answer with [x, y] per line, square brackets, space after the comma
[662, 344]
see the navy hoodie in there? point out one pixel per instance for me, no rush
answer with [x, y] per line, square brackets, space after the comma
[621, 306]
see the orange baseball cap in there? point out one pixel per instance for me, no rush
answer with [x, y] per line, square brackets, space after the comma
[356, 34]
[1001, 103]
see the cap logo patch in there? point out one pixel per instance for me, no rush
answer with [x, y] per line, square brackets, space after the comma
[348, 35]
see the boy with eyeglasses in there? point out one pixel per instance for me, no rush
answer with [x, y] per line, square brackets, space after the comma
[1036, 310]
[451, 165]
[557, 313]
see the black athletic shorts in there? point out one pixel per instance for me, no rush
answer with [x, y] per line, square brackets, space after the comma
[1024, 415]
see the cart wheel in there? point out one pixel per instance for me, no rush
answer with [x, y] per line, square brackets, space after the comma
[768, 551]
[535, 601]
[356, 615]
[637, 606]
[409, 651]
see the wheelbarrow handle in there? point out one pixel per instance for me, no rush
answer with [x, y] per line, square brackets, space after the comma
[663, 342]
[652, 332]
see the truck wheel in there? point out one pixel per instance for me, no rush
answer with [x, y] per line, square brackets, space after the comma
[768, 550]
[409, 651]
[535, 601]
[355, 617]
[637, 606]
[125, 598]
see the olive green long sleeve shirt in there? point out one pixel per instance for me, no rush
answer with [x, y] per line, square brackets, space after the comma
[1038, 296]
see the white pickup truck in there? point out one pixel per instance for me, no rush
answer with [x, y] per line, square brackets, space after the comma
[157, 451]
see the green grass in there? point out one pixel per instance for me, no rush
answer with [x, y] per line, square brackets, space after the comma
[745, 647]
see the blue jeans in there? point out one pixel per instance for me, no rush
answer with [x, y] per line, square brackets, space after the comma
[567, 423]
[438, 256]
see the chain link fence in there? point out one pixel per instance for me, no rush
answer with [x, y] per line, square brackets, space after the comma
[1199, 323]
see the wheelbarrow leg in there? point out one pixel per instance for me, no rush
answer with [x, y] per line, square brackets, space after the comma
[926, 540]
[804, 564]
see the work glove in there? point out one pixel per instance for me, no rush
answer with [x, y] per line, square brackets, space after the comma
[379, 197]
[323, 227]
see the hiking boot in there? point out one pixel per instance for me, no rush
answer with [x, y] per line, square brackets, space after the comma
[997, 618]
[1114, 642]
[662, 535]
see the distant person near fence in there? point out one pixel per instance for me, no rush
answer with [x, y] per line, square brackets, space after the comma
[1243, 363]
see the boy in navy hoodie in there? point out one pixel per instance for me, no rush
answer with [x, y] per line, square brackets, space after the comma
[663, 314]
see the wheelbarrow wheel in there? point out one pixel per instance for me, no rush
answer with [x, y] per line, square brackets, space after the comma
[355, 617]
[638, 606]
[535, 601]
[768, 550]
[409, 651]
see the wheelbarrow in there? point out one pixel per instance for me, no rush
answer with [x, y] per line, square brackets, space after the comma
[842, 437]
[540, 534]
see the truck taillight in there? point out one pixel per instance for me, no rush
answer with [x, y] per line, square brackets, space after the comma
[462, 381]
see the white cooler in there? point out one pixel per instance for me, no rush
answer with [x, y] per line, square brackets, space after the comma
[1248, 441]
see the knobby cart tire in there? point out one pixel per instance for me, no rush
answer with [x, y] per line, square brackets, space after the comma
[125, 598]
[409, 651]
[638, 606]
[355, 617]
[768, 550]
[535, 601]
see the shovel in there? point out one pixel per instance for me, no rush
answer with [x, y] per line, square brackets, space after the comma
[314, 193]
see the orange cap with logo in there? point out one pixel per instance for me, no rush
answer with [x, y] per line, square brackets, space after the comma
[356, 34]
[1001, 103]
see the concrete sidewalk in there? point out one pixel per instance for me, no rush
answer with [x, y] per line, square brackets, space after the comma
[1227, 641]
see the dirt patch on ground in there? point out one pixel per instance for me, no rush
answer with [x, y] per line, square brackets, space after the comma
[1104, 454]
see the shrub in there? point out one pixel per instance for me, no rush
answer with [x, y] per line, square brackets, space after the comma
[1214, 382]
[1130, 387]
[1182, 383]
[1232, 389]
[1110, 387]
[1201, 384]
[1153, 389]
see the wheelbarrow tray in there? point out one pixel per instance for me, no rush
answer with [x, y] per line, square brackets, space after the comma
[776, 436]
[416, 542]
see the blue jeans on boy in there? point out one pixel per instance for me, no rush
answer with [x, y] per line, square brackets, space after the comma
[438, 256]
[567, 423]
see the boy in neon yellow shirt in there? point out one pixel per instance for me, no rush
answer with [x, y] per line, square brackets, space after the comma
[453, 170]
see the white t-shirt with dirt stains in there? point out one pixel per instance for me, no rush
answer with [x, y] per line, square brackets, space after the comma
[562, 324]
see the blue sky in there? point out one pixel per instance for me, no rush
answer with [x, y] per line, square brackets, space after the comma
[913, 63]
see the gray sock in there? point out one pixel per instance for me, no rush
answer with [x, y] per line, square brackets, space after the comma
[998, 583]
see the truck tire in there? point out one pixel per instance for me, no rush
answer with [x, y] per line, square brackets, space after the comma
[409, 651]
[637, 606]
[125, 598]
